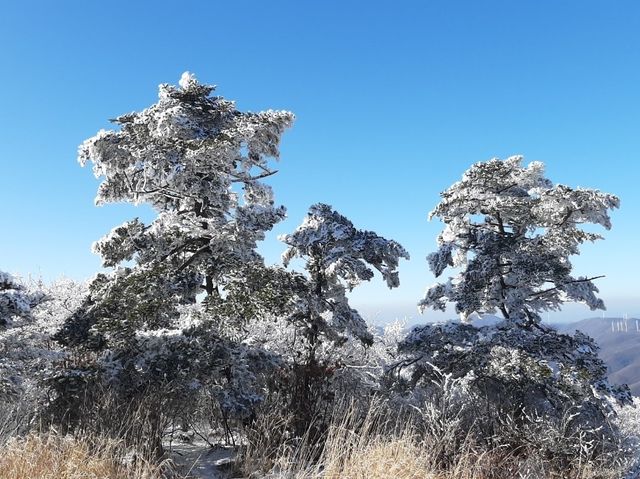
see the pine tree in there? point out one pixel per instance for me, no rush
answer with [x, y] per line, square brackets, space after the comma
[509, 232]
[338, 258]
[155, 328]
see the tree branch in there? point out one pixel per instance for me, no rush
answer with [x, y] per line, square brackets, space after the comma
[178, 248]
[241, 179]
[584, 280]
[502, 190]
[193, 257]
[566, 217]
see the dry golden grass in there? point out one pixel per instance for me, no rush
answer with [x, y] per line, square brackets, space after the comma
[378, 459]
[374, 447]
[356, 448]
[405, 458]
[50, 456]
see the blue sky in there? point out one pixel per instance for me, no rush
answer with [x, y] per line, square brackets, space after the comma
[393, 102]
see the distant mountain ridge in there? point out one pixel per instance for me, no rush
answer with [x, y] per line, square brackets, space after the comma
[619, 341]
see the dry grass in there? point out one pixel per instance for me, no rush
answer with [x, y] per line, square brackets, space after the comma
[406, 458]
[370, 445]
[373, 459]
[50, 456]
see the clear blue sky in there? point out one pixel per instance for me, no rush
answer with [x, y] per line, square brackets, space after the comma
[394, 100]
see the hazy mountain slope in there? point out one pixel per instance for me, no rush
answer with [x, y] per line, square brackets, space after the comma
[619, 346]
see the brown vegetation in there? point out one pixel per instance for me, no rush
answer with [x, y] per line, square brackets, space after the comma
[373, 443]
[52, 456]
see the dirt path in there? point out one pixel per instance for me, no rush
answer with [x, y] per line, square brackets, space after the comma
[199, 461]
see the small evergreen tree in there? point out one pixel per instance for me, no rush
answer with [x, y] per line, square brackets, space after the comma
[14, 300]
[338, 257]
[27, 350]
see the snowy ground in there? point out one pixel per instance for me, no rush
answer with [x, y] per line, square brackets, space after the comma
[202, 461]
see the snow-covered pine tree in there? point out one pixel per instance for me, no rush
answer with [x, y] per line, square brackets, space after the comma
[199, 162]
[338, 258]
[509, 232]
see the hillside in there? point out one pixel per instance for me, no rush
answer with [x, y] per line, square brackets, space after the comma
[619, 341]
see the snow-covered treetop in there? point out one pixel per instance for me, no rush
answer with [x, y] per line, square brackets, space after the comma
[199, 162]
[511, 231]
[14, 299]
[337, 249]
[338, 258]
[187, 148]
